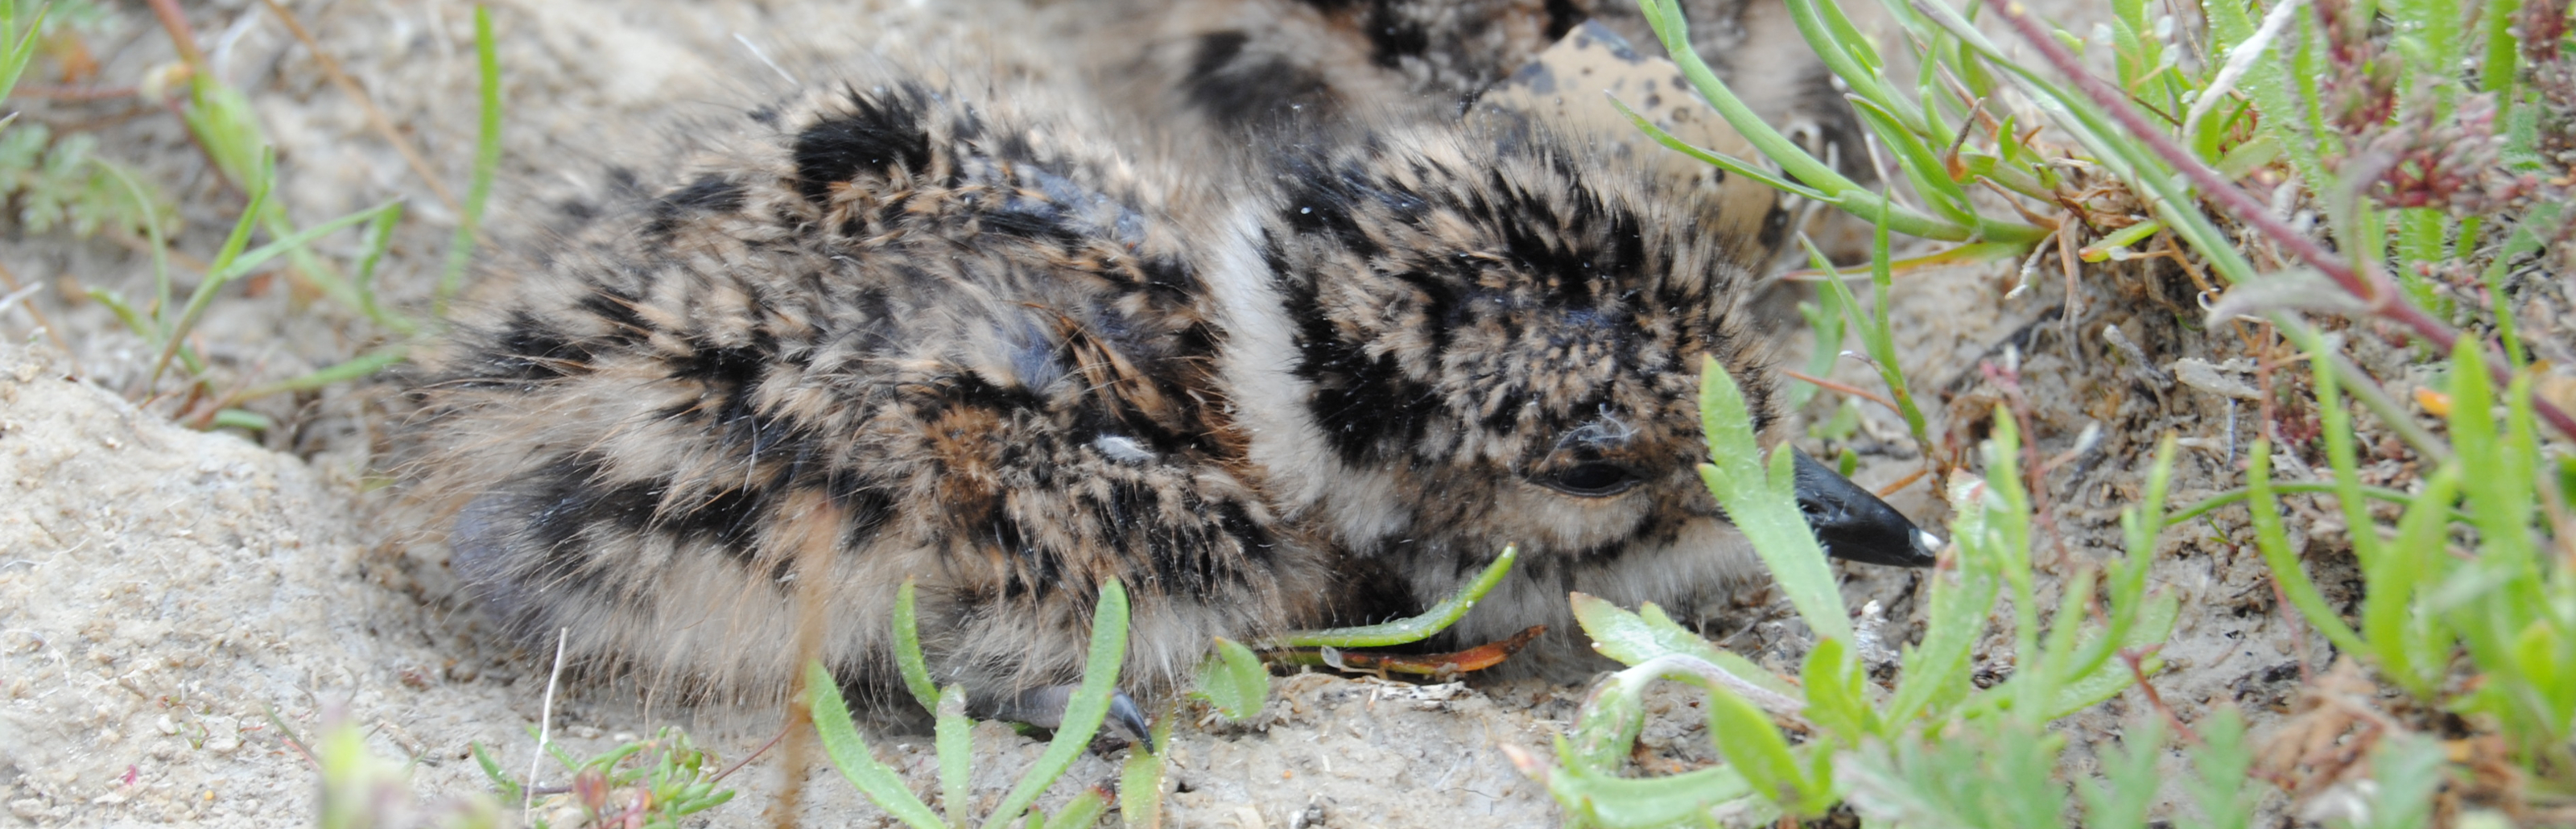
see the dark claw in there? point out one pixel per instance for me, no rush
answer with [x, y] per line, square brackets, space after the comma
[1854, 524]
[1126, 717]
[1044, 708]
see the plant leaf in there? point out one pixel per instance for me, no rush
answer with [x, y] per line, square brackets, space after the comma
[849, 753]
[1233, 680]
[1084, 713]
[908, 658]
[1418, 628]
[1633, 638]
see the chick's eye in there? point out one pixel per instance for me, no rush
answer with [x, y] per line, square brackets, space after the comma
[1591, 480]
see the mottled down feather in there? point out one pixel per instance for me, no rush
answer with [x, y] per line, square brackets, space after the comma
[912, 333]
[884, 334]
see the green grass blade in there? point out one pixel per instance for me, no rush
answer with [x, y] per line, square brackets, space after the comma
[2503, 50]
[2419, 547]
[487, 158]
[2147, 519]
[2109, 246]
[224, 124]
[841, 742]
[231, 263]
[2154, 623]
[1935, 674]
[17, 45]
[908, 659]
[251, 260]
[174, 331]
[243, 419]
[2408, 768]
[508, 788]
[1418, 628]
[1880, 334]
[2499, 491]
[1084, 713]
[2004, 543]
[2170, 200]
[340, 372]
[2388, 584]
[125, 312]
[2247, 157]
[380, 238]
[1606, 727]
[1877, 332]
[2034, 687]
[1825, 319]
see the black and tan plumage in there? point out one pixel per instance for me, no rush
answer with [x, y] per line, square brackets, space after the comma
[890, 333]
[965, 351]
[1224, 71]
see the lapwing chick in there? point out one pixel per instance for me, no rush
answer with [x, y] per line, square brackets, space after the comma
[879, 335]
[886, 333]
[1443, 342]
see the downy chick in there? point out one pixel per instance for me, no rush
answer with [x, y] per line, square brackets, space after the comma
[885, 333]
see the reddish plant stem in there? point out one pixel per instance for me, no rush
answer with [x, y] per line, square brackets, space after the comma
[2138, 672]
[181, 37]
[1902, 483]
[71, 93]
[1846, 388]
[2368, 284]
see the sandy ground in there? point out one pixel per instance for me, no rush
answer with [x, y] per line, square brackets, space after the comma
[172, 602]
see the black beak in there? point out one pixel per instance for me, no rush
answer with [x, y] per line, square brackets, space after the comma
[1856, 525]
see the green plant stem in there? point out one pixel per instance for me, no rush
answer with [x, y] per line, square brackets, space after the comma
[2214, 502]
[1666, 19]
[1404, 631]
[2274, 541]
[953, 734]
[2122, 238]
